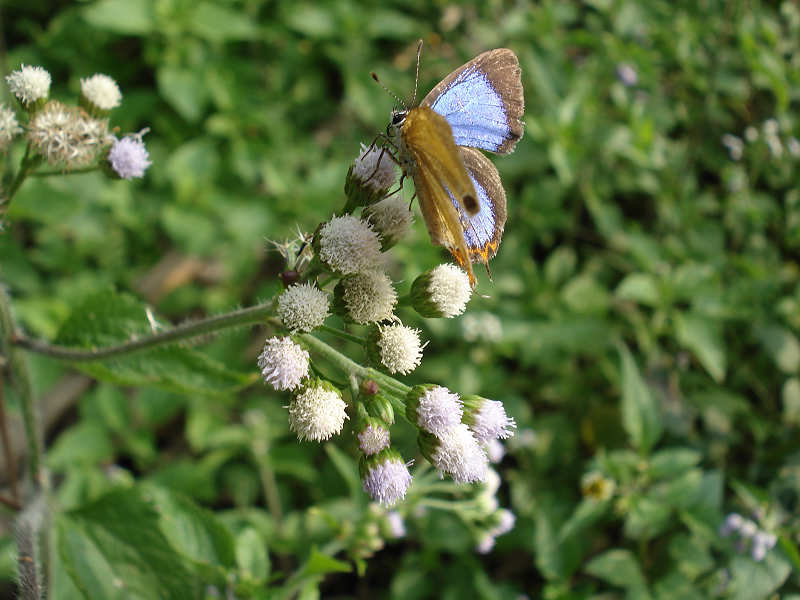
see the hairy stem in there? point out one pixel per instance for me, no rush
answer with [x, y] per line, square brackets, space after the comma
[8, 451]
[246, 316]
[26, 530]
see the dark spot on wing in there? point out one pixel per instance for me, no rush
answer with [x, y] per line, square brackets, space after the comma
[470, 203]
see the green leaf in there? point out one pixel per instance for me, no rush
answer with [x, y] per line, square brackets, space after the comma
[641, 288]
[114, 549]
[782, 346]
[193, 531]
[751, 580]
[672, 461]
[185, 90]
[640, 413]
[107, 318]
[620, 568]
[321, 564]
[584, 295]
[703, 338]
[251, 554]
[128, 17]
[218, 23]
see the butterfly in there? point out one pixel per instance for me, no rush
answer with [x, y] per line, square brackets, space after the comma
[476, 107]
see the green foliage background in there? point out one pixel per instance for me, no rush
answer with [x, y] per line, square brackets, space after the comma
[647, 289]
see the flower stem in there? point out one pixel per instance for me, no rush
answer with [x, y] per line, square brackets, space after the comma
[77, 171]
[342, 334]
[245, 316]
[28, 164]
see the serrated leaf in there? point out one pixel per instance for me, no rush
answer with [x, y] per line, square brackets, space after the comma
[114, 548]
[640, 413]
[192, 530]
[702, 337]
[108, 318]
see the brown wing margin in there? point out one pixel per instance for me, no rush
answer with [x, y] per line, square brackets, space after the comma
[502, 68]
[488, 179]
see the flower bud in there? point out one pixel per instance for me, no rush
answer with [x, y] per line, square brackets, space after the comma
[99, 94]
[31, 86]
[283, 363]
[455, 453]
[380, 407]
[373, 436]
[303, 307]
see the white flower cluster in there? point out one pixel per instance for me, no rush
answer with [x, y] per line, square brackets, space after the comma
[748, 533]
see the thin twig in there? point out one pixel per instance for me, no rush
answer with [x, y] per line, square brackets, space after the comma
[246, 316]
[11, 460]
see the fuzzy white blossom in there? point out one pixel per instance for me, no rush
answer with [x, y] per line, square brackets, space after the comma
[459, 455]
[495, 450]
[349, 245]
[303, 307]
[29, 84]
[129, 157]
[317, 413]
[372, 439]
[436, 410]
[101, 91]
[390, 218]
[9, 127]
[369, 297]
[399, 348]
[488, 420]
[375, 168]
[441, 292]
[283, 363]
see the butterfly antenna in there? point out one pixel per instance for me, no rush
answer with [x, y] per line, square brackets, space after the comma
[388, 91]
[416, 77]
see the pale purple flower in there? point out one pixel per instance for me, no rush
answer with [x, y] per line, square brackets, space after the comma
[128, 157]
[387, 481]
[438, 410]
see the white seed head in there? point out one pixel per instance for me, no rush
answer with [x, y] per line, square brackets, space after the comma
[129, 157]
[399, 347]
[375, 168]
[9, 127]
[66, 134]
[317, 413]
[369, 296]
[101, 91]
[349, 245]
[303, 307]
[29, 84]
[283, 363]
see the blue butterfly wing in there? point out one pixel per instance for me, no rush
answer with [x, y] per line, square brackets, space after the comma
[483, 101]
[483, 230]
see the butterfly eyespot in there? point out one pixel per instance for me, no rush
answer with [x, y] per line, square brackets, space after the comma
[470, 203]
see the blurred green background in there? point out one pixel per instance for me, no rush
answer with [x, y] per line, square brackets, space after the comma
[641, 327]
